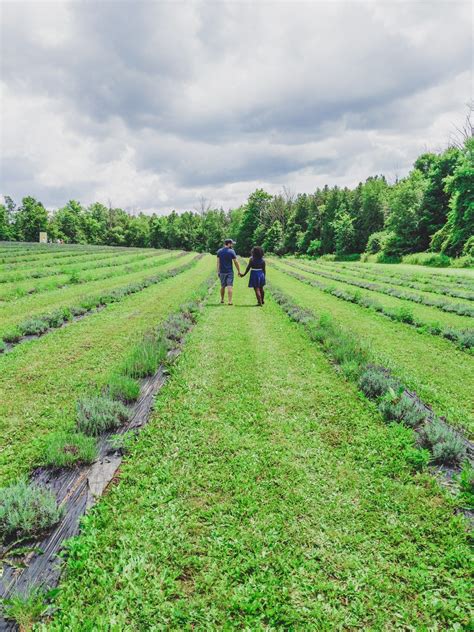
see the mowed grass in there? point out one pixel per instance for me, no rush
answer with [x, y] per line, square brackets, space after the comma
[43, 378]
[439, 372]
[12, 313]
[265, 494]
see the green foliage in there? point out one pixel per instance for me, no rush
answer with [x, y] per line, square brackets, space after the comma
[65, 449]
[399, 407]
[254, 210]
[27, 609]
[145, 357]
[26, 509]
[432, 259]
[466, 485]
[124, 388]
[445, 444]
[375, 382]
[376, 242]
[95, 415]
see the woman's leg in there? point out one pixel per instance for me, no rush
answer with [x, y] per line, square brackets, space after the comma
[262, 292]
[259, 296]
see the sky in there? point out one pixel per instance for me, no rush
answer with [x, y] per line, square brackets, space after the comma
[153, 106]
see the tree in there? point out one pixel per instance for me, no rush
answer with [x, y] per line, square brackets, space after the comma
[273, 241]
[404, 215]
[344, 233]
[435, 203]
[31, 218]
[460, 223]
[254, 210]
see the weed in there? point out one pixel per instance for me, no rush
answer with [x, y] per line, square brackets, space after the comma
[29, 608]
[445, 444]
[98, 414]
[145, 357]
[466, 485]
[74, 277]
[12, 335]
[124, 388]
[26, 509]
[65, 449]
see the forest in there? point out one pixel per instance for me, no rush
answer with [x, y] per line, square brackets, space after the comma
[431, 209]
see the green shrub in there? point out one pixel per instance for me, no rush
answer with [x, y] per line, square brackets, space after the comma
[98, 414]
[146, 357]
[65, 449]
[124, 388]
[375, 382]
[402, 409]
[26, 509]
[34, 326]
[405, 314]
[432, 259]
[445, 444]
[376, 243]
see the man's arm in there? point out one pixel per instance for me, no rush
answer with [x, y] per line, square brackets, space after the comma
[237, 265]
[218, 265]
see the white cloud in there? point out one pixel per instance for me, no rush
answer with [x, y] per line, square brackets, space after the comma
[151, 106]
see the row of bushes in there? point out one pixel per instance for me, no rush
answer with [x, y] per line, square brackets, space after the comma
[464, 339]
[425, 285]
[438, 442]
[26, 509]
[38, 325]
[446, 306]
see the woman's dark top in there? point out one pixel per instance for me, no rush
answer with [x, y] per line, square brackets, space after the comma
[255, 264]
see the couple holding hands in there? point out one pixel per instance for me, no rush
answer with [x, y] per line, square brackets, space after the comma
[226, 258]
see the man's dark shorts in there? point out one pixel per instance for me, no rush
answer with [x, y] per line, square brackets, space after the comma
[227, 278]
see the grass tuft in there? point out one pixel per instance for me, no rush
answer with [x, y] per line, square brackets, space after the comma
[28, 609]
[65, 449]
[146, 357]
[123, 388]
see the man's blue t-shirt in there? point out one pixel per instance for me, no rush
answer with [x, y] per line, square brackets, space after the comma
[226, 255]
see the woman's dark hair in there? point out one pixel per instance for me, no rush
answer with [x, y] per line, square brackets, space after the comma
[257, 252]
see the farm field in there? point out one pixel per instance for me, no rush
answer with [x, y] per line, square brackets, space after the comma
[266, 490]
[430, 365]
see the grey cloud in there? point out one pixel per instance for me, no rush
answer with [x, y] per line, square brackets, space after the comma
[224, 93]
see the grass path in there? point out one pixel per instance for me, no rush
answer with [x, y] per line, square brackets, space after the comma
[440, 373]
[265, 494]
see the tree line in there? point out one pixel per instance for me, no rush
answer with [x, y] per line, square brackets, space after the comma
[432, 208]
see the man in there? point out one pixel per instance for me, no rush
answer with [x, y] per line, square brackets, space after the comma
[225, 258]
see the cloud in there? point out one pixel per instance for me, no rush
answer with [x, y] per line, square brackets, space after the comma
[150, 105]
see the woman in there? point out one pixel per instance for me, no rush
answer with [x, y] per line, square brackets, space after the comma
[257, 267]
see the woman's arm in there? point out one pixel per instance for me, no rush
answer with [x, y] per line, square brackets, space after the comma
[264, 266]
[249, 265]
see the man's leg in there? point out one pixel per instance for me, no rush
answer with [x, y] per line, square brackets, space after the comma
[222, 293]
[229, 293]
